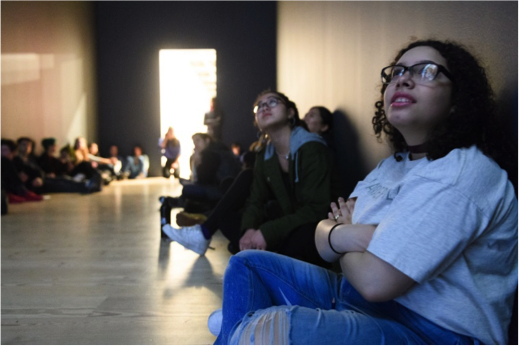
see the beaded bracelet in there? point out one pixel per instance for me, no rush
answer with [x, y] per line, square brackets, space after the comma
[330, 242]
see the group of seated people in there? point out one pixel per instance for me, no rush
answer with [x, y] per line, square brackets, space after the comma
[27, 176]
[115, 166]
[426, 243]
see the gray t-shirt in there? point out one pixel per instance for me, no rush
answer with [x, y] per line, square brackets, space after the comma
[451, 225]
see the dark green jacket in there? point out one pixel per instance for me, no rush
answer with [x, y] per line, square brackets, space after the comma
[307, 200]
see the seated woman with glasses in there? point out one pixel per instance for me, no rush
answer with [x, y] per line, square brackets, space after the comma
[290, 191]
[427, 242]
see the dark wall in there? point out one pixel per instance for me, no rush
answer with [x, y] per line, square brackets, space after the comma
[129, 37]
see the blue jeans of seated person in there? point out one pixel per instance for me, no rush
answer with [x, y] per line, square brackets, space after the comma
[273, 299]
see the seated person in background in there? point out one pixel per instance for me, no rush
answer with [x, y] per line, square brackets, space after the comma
[11, 182]
[320, 120]
[117, 161]
[137, 165]
[48, 162]
[83, 167]
[234, 189]
[56, 173]
[106, 166]
[65, 156]
[291, 190]
[236, 149]
[30, 173]
[170, 147]
[427, 242]
[212, 162]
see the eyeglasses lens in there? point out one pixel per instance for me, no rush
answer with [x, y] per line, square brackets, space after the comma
[419, 72]
[271, 103]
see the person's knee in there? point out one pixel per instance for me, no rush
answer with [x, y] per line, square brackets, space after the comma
[264, 327]
[251, 256]
[246, 260]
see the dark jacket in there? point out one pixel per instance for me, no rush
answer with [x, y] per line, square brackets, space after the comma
[309, 196]
[50, 164]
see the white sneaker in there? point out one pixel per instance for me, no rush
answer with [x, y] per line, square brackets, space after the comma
[214, 322]
[191, 237]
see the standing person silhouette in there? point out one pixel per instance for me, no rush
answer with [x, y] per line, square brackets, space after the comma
[213, 119]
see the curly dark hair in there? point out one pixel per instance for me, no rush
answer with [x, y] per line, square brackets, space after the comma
[474, 120]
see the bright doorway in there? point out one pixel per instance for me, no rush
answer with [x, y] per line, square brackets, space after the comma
[187, 84]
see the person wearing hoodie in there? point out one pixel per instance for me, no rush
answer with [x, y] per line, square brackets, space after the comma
[290, 192]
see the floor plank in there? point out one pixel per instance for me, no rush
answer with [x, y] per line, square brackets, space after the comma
[91, 269]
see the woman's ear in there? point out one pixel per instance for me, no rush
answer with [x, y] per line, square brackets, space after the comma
[324, 128]
[291, 113]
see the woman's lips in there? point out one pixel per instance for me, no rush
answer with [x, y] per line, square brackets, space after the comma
[402, 99]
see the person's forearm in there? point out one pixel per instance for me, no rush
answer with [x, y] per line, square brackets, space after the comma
[375, 279]
[352, 238]
[344, 238]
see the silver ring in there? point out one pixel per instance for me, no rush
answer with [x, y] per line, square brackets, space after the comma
[336, 217]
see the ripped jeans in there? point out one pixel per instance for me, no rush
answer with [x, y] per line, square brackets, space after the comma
[273, 299]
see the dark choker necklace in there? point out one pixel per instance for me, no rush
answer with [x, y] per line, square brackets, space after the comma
[417, 149]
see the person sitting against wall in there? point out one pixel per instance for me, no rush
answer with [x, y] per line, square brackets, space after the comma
[48, 162]
[83, 167]
[137, 165]
[30, 173]
[170, 148]
[319, 120]
[235, 193]
[427, 241]
[287, 193]
[12, 184]
[56, 170]
[118, 162]
[106, 166]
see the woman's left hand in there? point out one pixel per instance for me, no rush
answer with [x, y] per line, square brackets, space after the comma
[343, 212]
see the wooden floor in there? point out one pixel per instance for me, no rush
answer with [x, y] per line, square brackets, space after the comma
[91, 269]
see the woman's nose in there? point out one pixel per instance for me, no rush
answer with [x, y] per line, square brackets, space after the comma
[405, 79]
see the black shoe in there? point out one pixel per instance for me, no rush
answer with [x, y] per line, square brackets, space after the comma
[233, 249]
[172, 202]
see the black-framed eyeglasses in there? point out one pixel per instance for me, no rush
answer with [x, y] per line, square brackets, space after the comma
[271, 103]
[423, 72]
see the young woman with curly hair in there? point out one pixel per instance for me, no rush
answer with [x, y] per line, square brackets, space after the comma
[427, 242]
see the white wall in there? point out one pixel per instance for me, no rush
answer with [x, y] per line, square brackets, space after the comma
[331, 53]
[48, 72]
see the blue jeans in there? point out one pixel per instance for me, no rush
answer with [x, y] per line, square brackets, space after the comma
[273, 299]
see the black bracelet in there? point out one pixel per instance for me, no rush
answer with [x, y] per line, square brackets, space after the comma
[330, 242]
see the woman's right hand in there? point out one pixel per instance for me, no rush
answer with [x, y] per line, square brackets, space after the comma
[344, 211]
